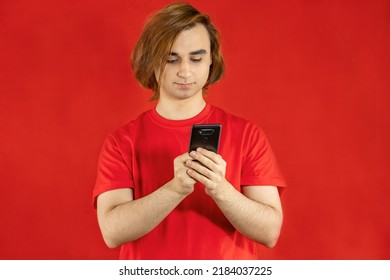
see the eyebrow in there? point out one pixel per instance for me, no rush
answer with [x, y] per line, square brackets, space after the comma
[201, 51]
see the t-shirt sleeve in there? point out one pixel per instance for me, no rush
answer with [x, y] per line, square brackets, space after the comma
[259, 165]
[113, 170]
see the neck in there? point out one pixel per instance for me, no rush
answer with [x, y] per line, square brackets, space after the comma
[181, 109]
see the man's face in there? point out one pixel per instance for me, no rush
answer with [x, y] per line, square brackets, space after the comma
[188, 65]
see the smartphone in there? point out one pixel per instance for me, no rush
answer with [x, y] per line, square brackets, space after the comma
[205, 136]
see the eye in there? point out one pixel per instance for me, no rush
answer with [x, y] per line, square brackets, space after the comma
[172, 60]
[196, 59]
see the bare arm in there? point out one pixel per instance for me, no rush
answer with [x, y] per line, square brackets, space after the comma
[256, 213]
[123, 219]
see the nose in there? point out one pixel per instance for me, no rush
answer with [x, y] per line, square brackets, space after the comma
[184, 71]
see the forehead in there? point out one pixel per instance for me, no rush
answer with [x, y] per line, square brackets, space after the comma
[190, 40]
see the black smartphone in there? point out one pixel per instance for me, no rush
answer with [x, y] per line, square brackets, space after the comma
[205, 136]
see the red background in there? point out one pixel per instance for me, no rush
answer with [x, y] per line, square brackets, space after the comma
[313, 74]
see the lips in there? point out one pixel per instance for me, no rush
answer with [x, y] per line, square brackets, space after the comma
[184, 86]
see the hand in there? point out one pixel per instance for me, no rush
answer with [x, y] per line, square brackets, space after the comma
[208, 169]
[182, 182]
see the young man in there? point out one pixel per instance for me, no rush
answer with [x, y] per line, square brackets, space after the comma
[156, 200]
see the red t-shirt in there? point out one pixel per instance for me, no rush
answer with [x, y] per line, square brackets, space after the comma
[140, 156]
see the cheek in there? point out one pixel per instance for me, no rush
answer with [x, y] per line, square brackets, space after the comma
[164, 78]
[163, 72]
[168, 73]
[205, 71]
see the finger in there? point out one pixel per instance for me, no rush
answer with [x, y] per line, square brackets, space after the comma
[203, 159]
[216, 158]
[184, 157]
[198, 177]
[201, 169]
